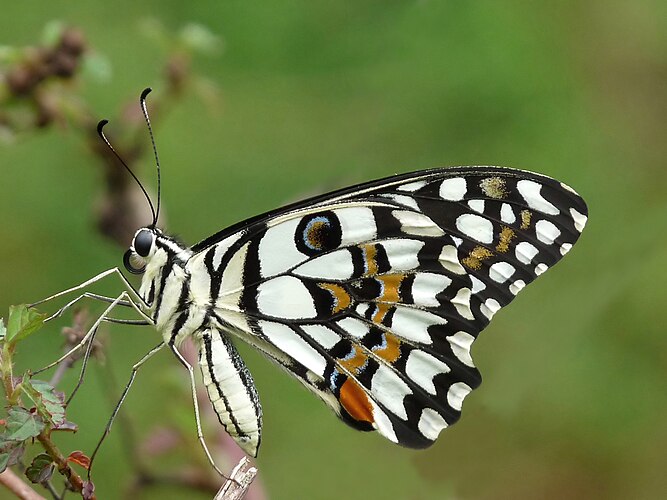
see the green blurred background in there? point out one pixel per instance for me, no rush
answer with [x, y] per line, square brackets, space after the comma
[317, 95]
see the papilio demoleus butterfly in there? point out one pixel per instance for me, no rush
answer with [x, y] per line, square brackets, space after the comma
[371, 296]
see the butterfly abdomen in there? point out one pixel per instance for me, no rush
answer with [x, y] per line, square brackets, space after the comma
[231, 389]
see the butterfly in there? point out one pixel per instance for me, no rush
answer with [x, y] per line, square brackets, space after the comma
[371, 296]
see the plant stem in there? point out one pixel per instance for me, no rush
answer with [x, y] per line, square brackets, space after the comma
[17, 486]
[61, 462]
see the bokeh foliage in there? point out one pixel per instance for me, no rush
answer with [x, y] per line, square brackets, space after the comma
[317, 95]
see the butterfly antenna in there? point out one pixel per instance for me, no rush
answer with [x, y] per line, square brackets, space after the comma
[142, 100]
[100, 132]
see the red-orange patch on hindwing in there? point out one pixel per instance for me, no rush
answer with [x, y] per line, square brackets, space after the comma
[356, 403]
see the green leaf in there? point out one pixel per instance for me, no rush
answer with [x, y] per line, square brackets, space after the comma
[49, 402]
[52, 32]
[22, 322]
[22, 424]
[199, 38]
[40, 469]
[97, 67]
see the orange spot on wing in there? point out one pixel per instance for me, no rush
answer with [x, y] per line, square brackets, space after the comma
[506, 236]
[355, 362]
[477, 255]
[342, 299]
[370, 252]
[494, 187]
[356, 403]
[526, 215]
[390, 286]
[381, 311]
[392, 350]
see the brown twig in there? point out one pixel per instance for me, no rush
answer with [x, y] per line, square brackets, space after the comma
[61, 462]
[236, 487]
[18, 487]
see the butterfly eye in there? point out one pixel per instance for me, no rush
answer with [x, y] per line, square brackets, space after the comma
[143, 241]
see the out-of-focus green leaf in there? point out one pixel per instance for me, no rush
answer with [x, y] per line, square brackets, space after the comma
[40, 469]
[155, 32]
[52, 32]
[200, 39]
[98, 67]
[22, 322]
[49, 402]
[9, 54]
[22, 424]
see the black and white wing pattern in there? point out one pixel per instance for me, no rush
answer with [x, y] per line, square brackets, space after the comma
[373, 295]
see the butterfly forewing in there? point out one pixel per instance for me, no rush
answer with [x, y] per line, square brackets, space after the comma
[372, 296]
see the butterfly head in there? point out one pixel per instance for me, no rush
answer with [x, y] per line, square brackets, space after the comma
[141, 250]
[151, 246]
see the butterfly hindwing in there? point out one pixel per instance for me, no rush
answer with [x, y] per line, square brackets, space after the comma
[373, 295]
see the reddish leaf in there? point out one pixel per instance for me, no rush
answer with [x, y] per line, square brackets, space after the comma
[66, 426]
[3, 422]
[78, 457]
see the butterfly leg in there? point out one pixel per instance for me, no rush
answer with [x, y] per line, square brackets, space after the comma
[84, 365]
[89, 349]
[107, 429]
[122, 297]
[88, 295]
[109, 272]
[200, 434]
[133, 322]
